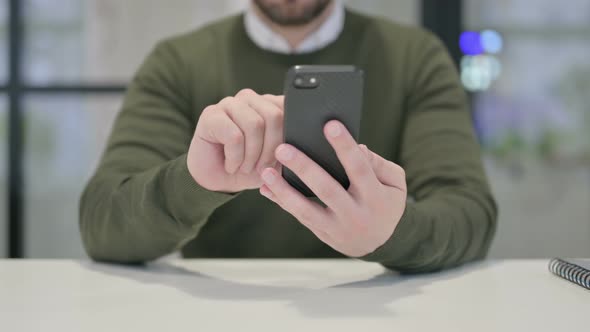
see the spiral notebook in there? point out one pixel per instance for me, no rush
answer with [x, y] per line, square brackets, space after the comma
[573, 270]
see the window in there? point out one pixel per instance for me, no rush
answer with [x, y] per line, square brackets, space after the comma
[534, 123]
[403, 11]
[65, 136]
[78, 56]
[98, 41]
[3, 41]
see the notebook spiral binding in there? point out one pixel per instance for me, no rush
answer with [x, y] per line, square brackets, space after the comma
[570, 272]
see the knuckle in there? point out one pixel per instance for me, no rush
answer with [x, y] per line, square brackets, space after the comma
[266, 160]
[276, 100]
[266, 157]
[236, 137]
[300, 166]
[258, 123]
[209, 112]
[245, 93]
[400, 170]
[269, 96]
[296, 206]
[276, 116]
[226, 100]
[209, 109]
[254, 125]
[325, 190]
[358, 167]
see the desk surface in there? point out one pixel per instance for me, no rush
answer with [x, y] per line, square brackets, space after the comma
[299, 295]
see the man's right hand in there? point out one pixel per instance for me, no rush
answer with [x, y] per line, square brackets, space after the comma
[235, 140]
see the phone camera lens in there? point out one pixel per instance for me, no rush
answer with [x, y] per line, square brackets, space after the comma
[298, 81]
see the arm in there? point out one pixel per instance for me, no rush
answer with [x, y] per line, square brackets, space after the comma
[453, 219]
[142, 202]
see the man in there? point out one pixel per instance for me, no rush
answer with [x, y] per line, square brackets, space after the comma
[194, 158]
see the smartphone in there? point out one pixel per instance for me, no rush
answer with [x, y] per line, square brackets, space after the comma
[314, 95]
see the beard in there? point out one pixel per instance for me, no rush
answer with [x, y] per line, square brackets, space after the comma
[288, 13]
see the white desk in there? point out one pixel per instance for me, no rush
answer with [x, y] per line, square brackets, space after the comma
[301, 295]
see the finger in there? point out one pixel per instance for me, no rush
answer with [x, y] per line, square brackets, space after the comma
[220, 129]
[357, 167]
[273, 126]
[387, 172]
[266, 192]
[365, 151]
[279, 101]
[309, 213]
[326, 188]
[323, 236]
[252, 125]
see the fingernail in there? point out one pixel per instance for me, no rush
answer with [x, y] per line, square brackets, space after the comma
[266, 193]
[334, 129]
[261, 169]
[285, 153]
[268, 176]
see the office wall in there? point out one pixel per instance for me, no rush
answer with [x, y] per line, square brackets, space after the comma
[402, 11]
[96, 42]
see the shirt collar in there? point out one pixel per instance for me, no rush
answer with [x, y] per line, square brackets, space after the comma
[264, 37]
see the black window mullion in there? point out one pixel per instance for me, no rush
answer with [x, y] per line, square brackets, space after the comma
[445, 19]
[15, 136]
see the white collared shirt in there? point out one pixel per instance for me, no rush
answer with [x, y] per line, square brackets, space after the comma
[264, 37]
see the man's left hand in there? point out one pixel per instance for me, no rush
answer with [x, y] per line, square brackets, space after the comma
[356, 221]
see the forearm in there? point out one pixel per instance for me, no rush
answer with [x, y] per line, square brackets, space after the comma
[137, 217]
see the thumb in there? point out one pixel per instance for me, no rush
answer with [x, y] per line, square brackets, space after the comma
[387, 172]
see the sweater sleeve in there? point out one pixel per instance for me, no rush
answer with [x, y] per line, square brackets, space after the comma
[142, 203]
[453, 217]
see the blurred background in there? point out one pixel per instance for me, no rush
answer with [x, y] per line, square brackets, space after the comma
[64, 65]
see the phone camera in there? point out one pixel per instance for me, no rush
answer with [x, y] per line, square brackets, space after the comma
[306, 82]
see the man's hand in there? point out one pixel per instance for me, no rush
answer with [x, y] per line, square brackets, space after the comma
[235, 140]
[354, 222]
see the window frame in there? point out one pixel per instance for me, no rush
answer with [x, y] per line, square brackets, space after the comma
[16, 90]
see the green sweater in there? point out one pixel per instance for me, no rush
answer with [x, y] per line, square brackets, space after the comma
[142, 202]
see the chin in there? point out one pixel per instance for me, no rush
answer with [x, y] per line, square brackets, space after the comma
[292, 12]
